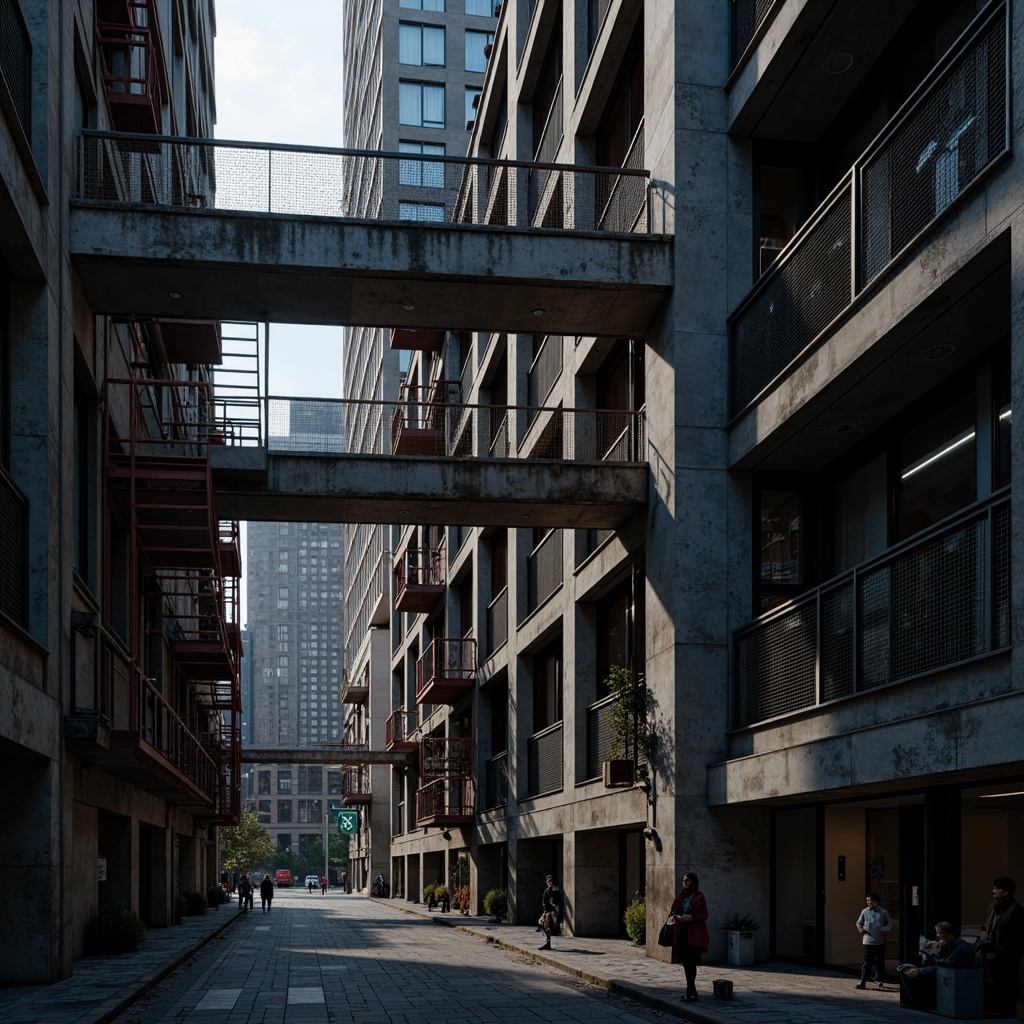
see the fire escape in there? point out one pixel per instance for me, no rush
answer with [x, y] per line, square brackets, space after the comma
[130, 54]
[171, 593]
[445, 796]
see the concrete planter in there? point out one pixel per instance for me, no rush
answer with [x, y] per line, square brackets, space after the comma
[741, 948]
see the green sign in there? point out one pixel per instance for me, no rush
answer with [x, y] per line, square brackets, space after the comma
[348, 822]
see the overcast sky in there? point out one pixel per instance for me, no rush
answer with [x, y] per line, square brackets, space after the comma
[278, 74]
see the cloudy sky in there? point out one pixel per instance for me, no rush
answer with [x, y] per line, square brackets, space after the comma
[278, 73]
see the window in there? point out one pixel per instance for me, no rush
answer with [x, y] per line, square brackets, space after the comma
[81, 479]
[422, 5]
[421, 173]
[284, 810]
[421, 45]
[472, 99]
[284, 780]
[263, 784]
[862, 522]
[625, 109]
[476, 58]
[547, 686]
[480, 8]
[421, 211]
[620, 624]
[420, 104]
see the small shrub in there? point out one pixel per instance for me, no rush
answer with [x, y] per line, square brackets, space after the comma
[741, 923]
[180, 907]
[429, 893]
[195, 903]
[496, 903]
[441, 893]
[215, 895]
[635, 919]
[115, 929]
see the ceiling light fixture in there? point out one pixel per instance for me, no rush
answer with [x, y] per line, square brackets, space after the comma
[840, 62]
[408, 304]
[539, 312]
[842, 428]
[174, 295]
[940, 352]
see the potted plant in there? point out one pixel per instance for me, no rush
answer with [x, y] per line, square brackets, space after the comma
[629, 720]
[496, 904]
[462, 899]
[441, 896]
[741, 928]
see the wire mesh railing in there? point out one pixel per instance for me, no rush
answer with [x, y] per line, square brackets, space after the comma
[496, 781]
[938, 600]
[457, 430]
[544, 570]
[16, 61]
[497, 623]
[210, 174]
[747, 18]
[942, 142]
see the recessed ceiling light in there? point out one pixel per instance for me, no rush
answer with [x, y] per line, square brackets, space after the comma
[940, 352]
[408, 304]
[842, 428]
[174, 295]
[539, 312]
[840, 62]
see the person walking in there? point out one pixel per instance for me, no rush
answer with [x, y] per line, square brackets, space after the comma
[245, 893]
[323, 885]
[1003, 940]
[266, 893]
[550, 910]
[688, 916]
[309, 883]
[873, 924]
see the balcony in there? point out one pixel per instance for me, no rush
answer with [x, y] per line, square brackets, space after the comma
[496, 781]
[400, 731]
[544, 570]
[419, 420]
[16, 61]
[355, 788]
[939, 146]
[191, 341]
[419, 579]
[355, 689]
[407, 339]
[205, 645]
[445, 802]
[131, 70]
[937, 600]
[446, 672]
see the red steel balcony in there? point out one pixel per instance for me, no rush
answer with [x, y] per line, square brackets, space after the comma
[355, 787]
[446, 671]
[418, 424]
[419, 579]
[130, 54]
[445, 801]
[406, 339]
[191, 341]
[400, 731]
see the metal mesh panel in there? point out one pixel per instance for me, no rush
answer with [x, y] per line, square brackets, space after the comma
[125, 168]
[13, 551]
[1001, 612]
[747, 17]
[16, 61]
[837, 642]
[775, 666]
[622, 199]
[600, 738]
[544, 570]
[955, 131]
[497, 622]
[496, 781]
[796, 303]
[546, 369]
[544, 759]
[875, 627]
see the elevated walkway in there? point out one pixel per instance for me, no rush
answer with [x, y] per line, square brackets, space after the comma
[322, 755]
[203, 229]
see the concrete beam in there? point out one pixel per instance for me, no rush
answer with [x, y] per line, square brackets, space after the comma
[321, 755]
[250, 484]
[246, 266]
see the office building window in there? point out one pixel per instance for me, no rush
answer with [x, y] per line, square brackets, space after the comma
[472, 99]
[421, 105]
[422, 5]
[480, 8]
[476, 59]
[284, 781]
[421, 211]
[421, 45]
[421, 173]
[284, 810]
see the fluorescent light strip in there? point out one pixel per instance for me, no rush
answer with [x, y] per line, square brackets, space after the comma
[1006, 415]
[993, 796]
[959, 442]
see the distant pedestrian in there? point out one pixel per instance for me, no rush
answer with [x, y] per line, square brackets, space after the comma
[690, 938]
[309, 883]
[550, 911]
[1003, 940]
[245, 888]
[344, 882]
[873, 924]
[323, 885]
[266, 893]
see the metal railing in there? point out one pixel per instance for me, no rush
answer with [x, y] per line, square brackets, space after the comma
[544, 761]
[544, 570]
[446, 757]
[419, 567]
[934, 601]
[747, 18]
[626, 206]
[496, 781]
[16, 61]
[497, 622]
[545, 369]
[446, 660]
[400, 729]
[192, 173]
[445, 798]
[943, 140]
[14, 511]
[458, 430]
[600, 737]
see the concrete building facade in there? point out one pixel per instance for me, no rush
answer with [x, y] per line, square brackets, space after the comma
[119, 666]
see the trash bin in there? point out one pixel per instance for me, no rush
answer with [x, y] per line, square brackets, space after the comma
[960, 992]
[722, 988]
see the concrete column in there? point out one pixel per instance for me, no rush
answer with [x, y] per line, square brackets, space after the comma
[594, 881]
[115, 845]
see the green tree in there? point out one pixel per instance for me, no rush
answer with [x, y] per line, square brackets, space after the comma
[245, 845]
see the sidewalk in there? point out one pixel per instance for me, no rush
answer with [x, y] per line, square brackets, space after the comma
[104, 986]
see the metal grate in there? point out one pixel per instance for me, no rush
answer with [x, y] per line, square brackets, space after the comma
[407, 187]
[13, 552]
[837, 642]
[545, 370]
[747, 17]
[16, 61]
[544, 760]
[798, 299]
[497, 622]
[600, 738]
[626, 205]
[544, 570]
[1001, 540]
[496, 781]
[936, 151]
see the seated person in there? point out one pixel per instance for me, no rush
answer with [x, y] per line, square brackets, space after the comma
[917, 984]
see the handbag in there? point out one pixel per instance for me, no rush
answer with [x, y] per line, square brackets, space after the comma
[666, 935]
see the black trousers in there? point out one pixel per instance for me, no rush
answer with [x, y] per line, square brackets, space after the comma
[874, 958]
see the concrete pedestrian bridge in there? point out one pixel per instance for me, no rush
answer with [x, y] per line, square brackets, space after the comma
[203, 229]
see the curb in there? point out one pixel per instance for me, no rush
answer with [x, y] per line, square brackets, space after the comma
[120, 1001]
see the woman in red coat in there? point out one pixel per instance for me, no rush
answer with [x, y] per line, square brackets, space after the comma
[690, 933]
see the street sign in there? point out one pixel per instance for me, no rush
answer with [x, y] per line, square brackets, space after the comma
[348, 822]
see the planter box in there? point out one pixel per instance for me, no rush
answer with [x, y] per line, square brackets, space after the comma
[959, 992]
[619, 772]
[741, 948]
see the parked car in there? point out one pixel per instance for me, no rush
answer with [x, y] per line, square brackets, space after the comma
[283, 878]
[312, 882]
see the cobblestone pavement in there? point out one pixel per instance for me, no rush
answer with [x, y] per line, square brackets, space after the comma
[337, 958]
